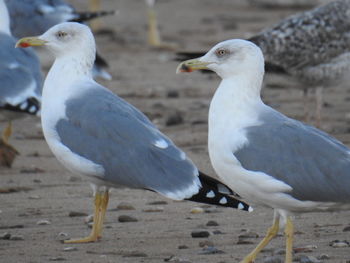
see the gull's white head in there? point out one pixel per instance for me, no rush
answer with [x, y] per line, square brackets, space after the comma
[228, 58]
[65, 39]
[4, 18]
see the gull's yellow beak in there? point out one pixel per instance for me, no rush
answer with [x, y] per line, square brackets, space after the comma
[191, 65]
[30, 42]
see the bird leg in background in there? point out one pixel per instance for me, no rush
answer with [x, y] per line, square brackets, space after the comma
[7, 133]
[319, 106]
[94, 6]
[94, 235]
[104, 205]
[289, 233]
[271, 233]
[154, 39]
[307, 115]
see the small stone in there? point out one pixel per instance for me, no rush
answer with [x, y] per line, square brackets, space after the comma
[69, 249]
[125, 206]
[210, 250]
[77, 214]
[274, 259]
[74, 179]
[176, 259]
[346, 229]
[158, 203]
[57, 259]
[206, 243]
[5, 236]
[308, 259]
[62, 236]
[218, 232]
[244, 242]
[174, 119]
[35, 197]
[182, 247]
[306, 249]
[323, 257]
[16, 237]
[212, 223]
[32, 170]
[125, 219]
[173, 94]
[134, 254]
[200, 234]
[43, 222]
[88, 219]
[37, 181]
[338, 243]
[248, 234]
[154, 210]
[197, 210]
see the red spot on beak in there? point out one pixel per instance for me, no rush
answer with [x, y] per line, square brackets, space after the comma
[24, 44]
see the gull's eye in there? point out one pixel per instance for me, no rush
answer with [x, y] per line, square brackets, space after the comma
[221, 52]
[61, 34]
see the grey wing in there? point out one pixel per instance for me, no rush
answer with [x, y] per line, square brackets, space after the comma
[308, 38]
[19, 73]
[314, 164]
[108, 131]
[29, 18]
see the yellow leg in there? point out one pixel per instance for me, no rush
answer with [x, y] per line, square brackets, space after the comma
[7, 133]
[93, 237]
[289, 232]
[271, 233]
[104, 205]
[95, 5]
[153, 32]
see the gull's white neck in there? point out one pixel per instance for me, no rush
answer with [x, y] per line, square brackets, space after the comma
[4, 19]
[236, 101]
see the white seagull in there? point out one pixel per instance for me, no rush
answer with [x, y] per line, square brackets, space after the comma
[95, 133]
[266, 157]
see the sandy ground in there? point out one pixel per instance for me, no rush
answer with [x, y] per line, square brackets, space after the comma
[41, 189]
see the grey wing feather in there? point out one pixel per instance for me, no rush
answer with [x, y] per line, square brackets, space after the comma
[19, 73]
[108, 131]
[34, 17]
[308, 38]
[314, 164]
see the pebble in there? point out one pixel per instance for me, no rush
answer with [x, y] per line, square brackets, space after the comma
[69, 249]
[197, 210]
[306, 249]
[174, 118]
[212, 223]
[57, 259]
[74, 179]
[200, 234]
[308, 259]
[43, 222]
[182, 247]
[210, 250]
[38, 181]
[176, 259]
[154, 210]
[35, 197]
[218, 232]
[274, 259]
[339, 243]
[248, 235]
[173, 94]
[158, 203]
[62, 236]
[125, 219]
[206, 243]
[5, 236]
[125, 206]
[135, 254]
[16, 237]
[323, 257]
[346, 229]
[244, 242]
[88, 219]
[77, 214]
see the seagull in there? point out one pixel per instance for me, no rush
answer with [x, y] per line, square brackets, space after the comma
[34, 17]
[264, 156]
[95, 133]
[311, 47]
[21, 83]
